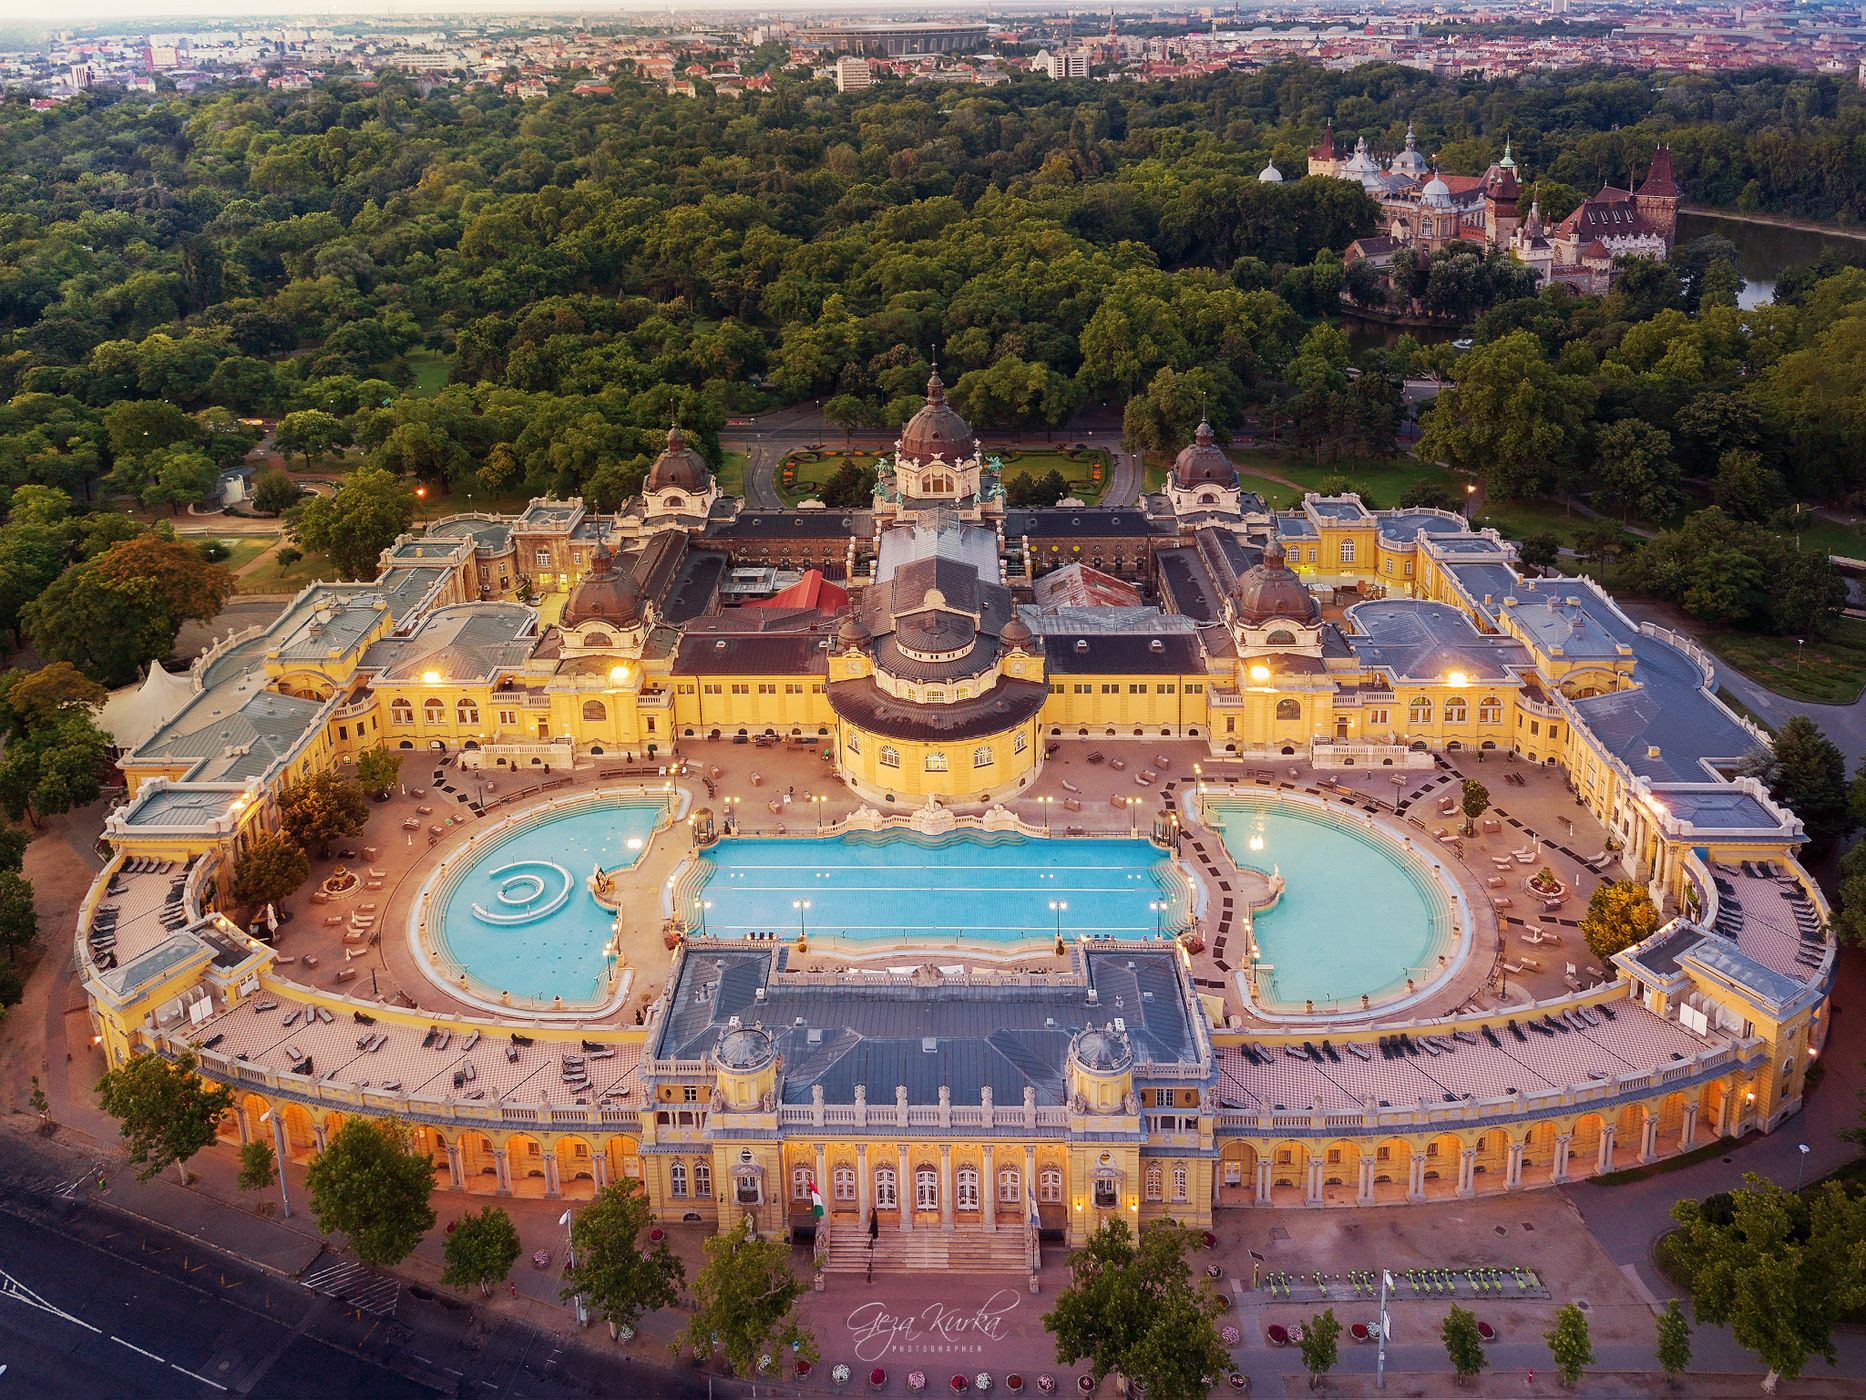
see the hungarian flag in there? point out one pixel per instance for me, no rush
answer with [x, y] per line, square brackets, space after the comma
[816, 1199]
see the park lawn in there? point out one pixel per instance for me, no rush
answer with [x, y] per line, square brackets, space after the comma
[1832, 537]
[1380, 484]
[811, 476]
[1075, 470]
[731, 474]
[1275, 494]
[430, 368]
[1827, 670]
[243, 549]
[268, 577]
[1516, 520]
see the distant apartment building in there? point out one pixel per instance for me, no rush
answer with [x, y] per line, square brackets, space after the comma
[893, 40]
[1064, 63]
[854, 74]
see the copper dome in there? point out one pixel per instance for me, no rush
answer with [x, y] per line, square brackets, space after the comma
[679, 468]
[603, 594]
[1203, 463]
[936, 430]
[852, 635]
[1016, 633]
[1270, 590]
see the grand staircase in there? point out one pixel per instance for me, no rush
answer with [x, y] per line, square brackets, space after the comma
[929, 1250]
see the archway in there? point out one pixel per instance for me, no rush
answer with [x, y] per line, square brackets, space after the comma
[524, 1164]
[1235, 1182]
[1392, 1169]
[1341, 1171]
[479, 1166]
[1289, 1173]
[576, 1168]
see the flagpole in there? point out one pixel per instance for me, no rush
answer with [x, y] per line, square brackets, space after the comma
[1380, 1361]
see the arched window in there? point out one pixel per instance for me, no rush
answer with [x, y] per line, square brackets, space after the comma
[1456, 711]
[1050, 1185]
[1153, 1181]
[890, 756]
[1490, 710]
[677, 1181]
[401, 712]
[926, 1188]
[1281, 638]
[885, 1199]
[703, 1180]
[598, 639]
[433, 710]
[1288, 709]
[595, 710]
[1347, 551]
[747, 1188]
[1179, 1181]
[466, 712]
[936, 760]
[855, 742]
[1420, 711]
[800, 1183]
[843, 1183]
[968, 1188]
[1010, 1186]
[981, 757]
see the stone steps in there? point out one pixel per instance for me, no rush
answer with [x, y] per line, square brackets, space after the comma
[928, 1250]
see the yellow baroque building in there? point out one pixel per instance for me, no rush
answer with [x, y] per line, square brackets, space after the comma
[969, 1111]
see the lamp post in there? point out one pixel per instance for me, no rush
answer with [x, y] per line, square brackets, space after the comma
[1158, 906]
[1058, 907]
[1133, 816]
[1801, 1166]
[570, 1253]
[802, 906]
[1198, 780]
[702, 905]
[1049, 827]
[817, 800]
[278, 1159]
[421, 501]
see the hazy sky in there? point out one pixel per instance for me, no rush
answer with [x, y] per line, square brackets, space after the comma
[74, 12]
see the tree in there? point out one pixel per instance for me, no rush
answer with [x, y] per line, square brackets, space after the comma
[322, 809]
[179, 476]
[1029, 489]
[846, 411]
[1674, 1341]
[1509, 416]
[378, 768]
[372, 1183]
[54, 768]
[1806, 773]
[1635, 470]
[1132, 1306]
[39, 1103]
[1569, 1344]
[1463, 1346]
[13, 843]
[271, 867]
[1540, 550]
[257, 1169]
[481, 1249]
[274, 492]
[1619, 914]
[310, 433]
[1475, 801]
[1745, 487]
[166, 1112]
[616, 1276]
[1850, 901]
[19, 920]
[1321, 1345]
[357, 523]
[743, 1300]
[1781, 1268]
[33, 700]
[111, 614]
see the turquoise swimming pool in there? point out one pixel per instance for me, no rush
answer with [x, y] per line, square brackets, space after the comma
[962, 889]
[1359, 913]
[518, 917]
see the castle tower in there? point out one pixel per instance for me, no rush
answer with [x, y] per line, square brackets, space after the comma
[1502, 191]
[1657, 199]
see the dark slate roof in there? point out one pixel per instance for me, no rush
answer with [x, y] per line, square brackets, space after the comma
[1169, 654]
[1186, 585]
[697, 587]
[1007, 1037]
[1096, 522]
[751, 654]
[794, 524]
[866, 706]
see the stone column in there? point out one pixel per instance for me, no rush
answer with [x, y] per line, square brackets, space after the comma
[861, 1179]
[1263, 1182]
[1688, 1132]
[1365, 1197]
[1603, 1160]
[1558, 1169]
[1720, 1122]
[822, 1184]
[945, 1185]
[904, 1192]
[1467, 1175]
[1649, 1138]
[317, 1136]
[550, 1175]
[501, 1174]
[987, 1192]
[1030, 1180]
[455, 1173]
[1513, 1178]
[242, 1126]
[1313, 1196]
[1415, 1177]
[599, 1168]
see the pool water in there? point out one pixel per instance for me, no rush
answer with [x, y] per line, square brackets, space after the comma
[1359, 913]
[964, 888]
[520, 919]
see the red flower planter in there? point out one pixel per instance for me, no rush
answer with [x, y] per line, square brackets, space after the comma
[877, 1378]
[656, 1235]
[959, 1385]
[1014, 1383]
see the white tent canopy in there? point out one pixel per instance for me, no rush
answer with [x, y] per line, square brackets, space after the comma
[135, 712]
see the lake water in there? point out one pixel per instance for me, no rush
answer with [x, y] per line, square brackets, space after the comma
[1763, 250]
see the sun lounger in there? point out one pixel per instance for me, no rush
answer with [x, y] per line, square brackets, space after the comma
[1069, 786]
[1495, 882]
[1118, 764]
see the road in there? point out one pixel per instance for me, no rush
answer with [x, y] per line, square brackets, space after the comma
[94, 1301]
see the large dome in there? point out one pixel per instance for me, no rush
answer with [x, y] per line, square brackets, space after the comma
[1270, 591]
[605, 594]
[1203, 463]
[936, 430]
[679, 468]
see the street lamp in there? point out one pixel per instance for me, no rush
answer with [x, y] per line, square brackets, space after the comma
[802, 906]
[817, 799]
[1133, 815]
[1057, 907]
[1049, 828]
[570, 1253]
[278, 1159]
[702, 905]
[1801, 1169]
[1158, 906]
[421, 499]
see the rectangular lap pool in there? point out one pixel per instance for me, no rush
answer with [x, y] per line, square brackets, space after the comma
[966, 888]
